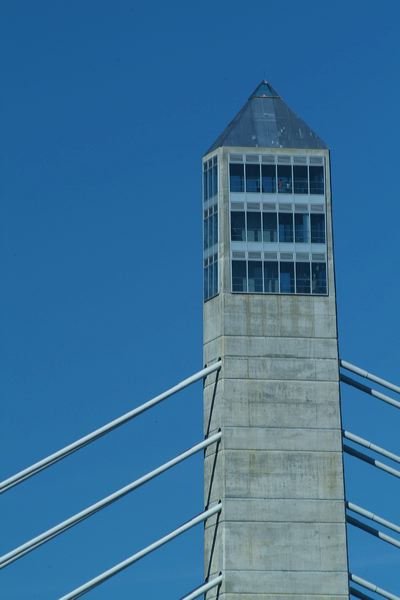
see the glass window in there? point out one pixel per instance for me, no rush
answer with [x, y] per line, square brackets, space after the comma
[238, 226]
[284, 179]
[270, 229]
[236, 173]
[254, 227]
[213, 279]
[316, 180]
[268, 179]
[239, 278]
[301, 228]
[300, 176]
[285, 227]
[210, 181]
[215, 228]
[210, 280]
[287, 277]
[206, 294]
[215, 180]
[271, 284]
[255, 276]
[252, 178]
[303, 284]
[205, 182]
[211, 231]
[319, 278]
[215, 289]
[317, 229]
[205, 233]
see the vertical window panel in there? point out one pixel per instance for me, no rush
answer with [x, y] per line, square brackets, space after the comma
[254, 227]
[271, 282]
[215, 179]
[239, 276]
[210, 280]
[252, 178]
[270, 227]
[206, 289]
[205, 234]
[317, 229]
[268, 173]
[301, 228]
[286, 277]
[284, 179]
[285, 227]
[215, 229]
[210, 227]
[210, 180]
[215, 279]
[303, 283]
[255, 276]
[205, 183]
[300, 176]
[238, 226]
[236, 176]
[210, 231]
[319, 278]
[316, 180]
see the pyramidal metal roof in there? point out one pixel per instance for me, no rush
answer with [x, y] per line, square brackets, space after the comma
[267, 121]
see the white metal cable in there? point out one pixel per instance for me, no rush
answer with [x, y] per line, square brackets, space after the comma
[371, 376]
[94, 435]
[368, 390]
[46, 536]
[371, 461]
[376, 532]
[367, 444]
[86, 587]
[371, 586]
[359, 594]
[372, 516]
[204, 588]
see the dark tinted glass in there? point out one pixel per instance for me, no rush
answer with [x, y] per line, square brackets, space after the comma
[316, 180]
[236, 173]
[268, 179]
[253, 227]
[210, 183]
[303, 284]
[300, 176]
[270, 231]
[301, 228]
[317, 229]
[205, 233]
[285, 227]
[239, 283]
[287, 277]
[255, 276]
[238, 227]
[214, 290]
[205, 183]
[215, 180]
[319, 278]
[284, 179]
[206, 294]
[271, 284]
[252, 178]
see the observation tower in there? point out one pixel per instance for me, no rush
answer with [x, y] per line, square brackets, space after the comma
[270, 315]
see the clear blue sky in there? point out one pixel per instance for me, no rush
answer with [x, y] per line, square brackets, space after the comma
[106, 109]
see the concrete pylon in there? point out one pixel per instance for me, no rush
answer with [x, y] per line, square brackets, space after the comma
[270, 314]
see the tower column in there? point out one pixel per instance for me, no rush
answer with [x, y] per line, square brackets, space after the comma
[270, 314]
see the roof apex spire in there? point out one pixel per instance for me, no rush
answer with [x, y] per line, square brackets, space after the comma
[264, 90]
[266, 121]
